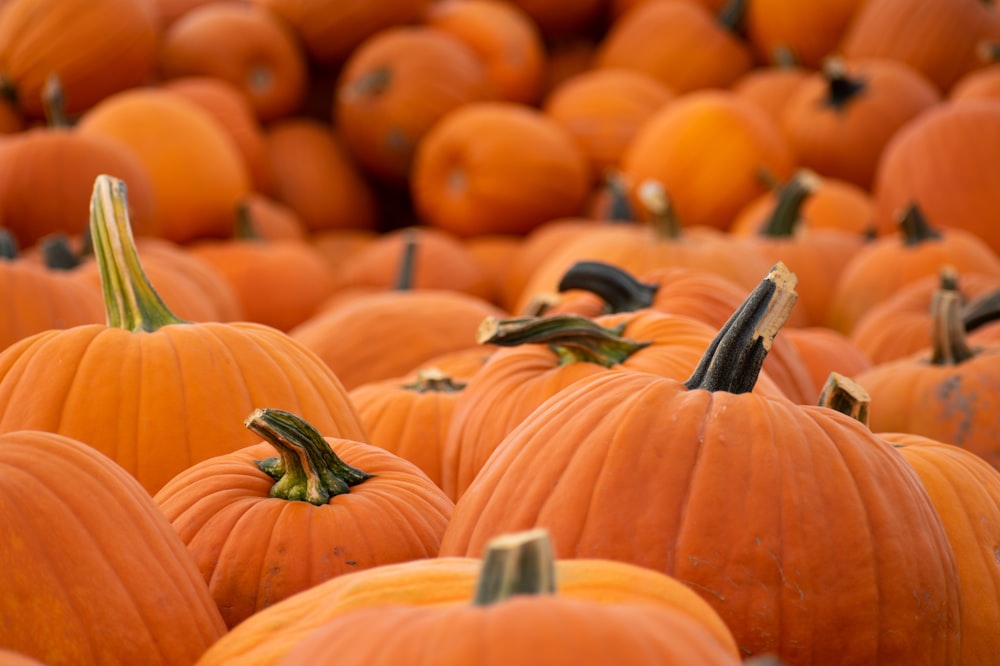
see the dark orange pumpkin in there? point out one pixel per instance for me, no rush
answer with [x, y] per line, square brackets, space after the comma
[262, 528]
[91, 571]
[809, 31]
[174, 389]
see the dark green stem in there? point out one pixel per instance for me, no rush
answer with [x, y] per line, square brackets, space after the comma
[307, 469]
[841, 87]
[520, 563]
[54, 102]
[620, 209]
[619, 289]
[981, 311]
[130, 300]
[408, 261]
[245, 228]
[915, 227]
[732, 16]
[787, 210]
[734, 358]
[57, 253]
[8, 245]
[574, 338]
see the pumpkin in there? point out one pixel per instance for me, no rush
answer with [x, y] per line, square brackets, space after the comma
[172, 388]
[603, 109]
[942, 161]
[395, 87]
[887, 263]
[947, 391]
[683, 44]
[770, 86]
[330, 30]
[659, 472]
[187, 150]
[517, 616]
[385, 334]
[504, 36]
[981, 83]
[494, 254]
[432, 582]
[719, 147]
[243, 44]
[314, 175]
[96, 47]
[91, 571]
[262, 528]
[809, 31]
[840, 119]
[497, 167]
[269, 219]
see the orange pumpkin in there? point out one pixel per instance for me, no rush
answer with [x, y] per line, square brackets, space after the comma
[101, 581]
[175, 389]
[187, 150]
[96, 47]
[244, 44]
[262, 528]
[809, 31]
[396, 86]
[497, 167]
[770, 86]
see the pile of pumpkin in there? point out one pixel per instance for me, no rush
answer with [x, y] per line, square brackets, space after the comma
[499, 331]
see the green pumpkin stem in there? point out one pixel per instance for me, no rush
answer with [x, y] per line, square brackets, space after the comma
[130, 300]
[841, 87]
[787, 210]
[915, 227]
[435, 381]
[574, 338]
[734, 358]
[57, 253]
[733, 15]
[519, 563]
[842, 394]
[949, 343]
[54, 102]
[8, 245]
[306, 469]
[783, 57]
[408, 262]
[981, 311]
[620, 209]
[662, 213]
[245, 229]
[619, 289]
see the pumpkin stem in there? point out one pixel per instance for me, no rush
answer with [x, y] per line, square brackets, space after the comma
[408, 262]
[842, 394]
[54, 102]
[788, 208]
[519, 563]
[784, 57]
[733, 359]
[307, 469]
[663, 215]
[434, 380]
[245, 229]
[841, 87]
[949, 344]
[915, 227]
[370, 84]
[621, 290]
[130, 300]
[981, 311]
[8, 245]
[574, 338]
[57, 253]
[732, 16]
[620, 208]
[988, 51]
[8, 90]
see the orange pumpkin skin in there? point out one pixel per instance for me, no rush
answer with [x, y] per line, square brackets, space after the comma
[810, 31]
[835, 204]
[395, 87]
[948, 142]
[46, 177]
[188, 150]
[497, 167]
[243, 44]
[718, 144]
[265, 637]
[769, 87]
[531, 630]
[664, 473]
[254, 550]
[101, 581]
[97, 47]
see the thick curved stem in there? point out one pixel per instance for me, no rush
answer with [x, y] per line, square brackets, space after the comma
[844, 395]
[734, 358]
[574, 338]
[948, 340]
[519, 563]
[130, 300]
[619, 289]
[787, 210]
[307, 469]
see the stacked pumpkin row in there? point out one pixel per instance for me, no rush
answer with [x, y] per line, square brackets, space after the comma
[576, 336]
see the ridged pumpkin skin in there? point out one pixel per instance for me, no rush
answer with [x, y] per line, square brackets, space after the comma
[270, 634]
[97, 47]
[90, 570]
[829, 550]
[254, 550]
[542, 630]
